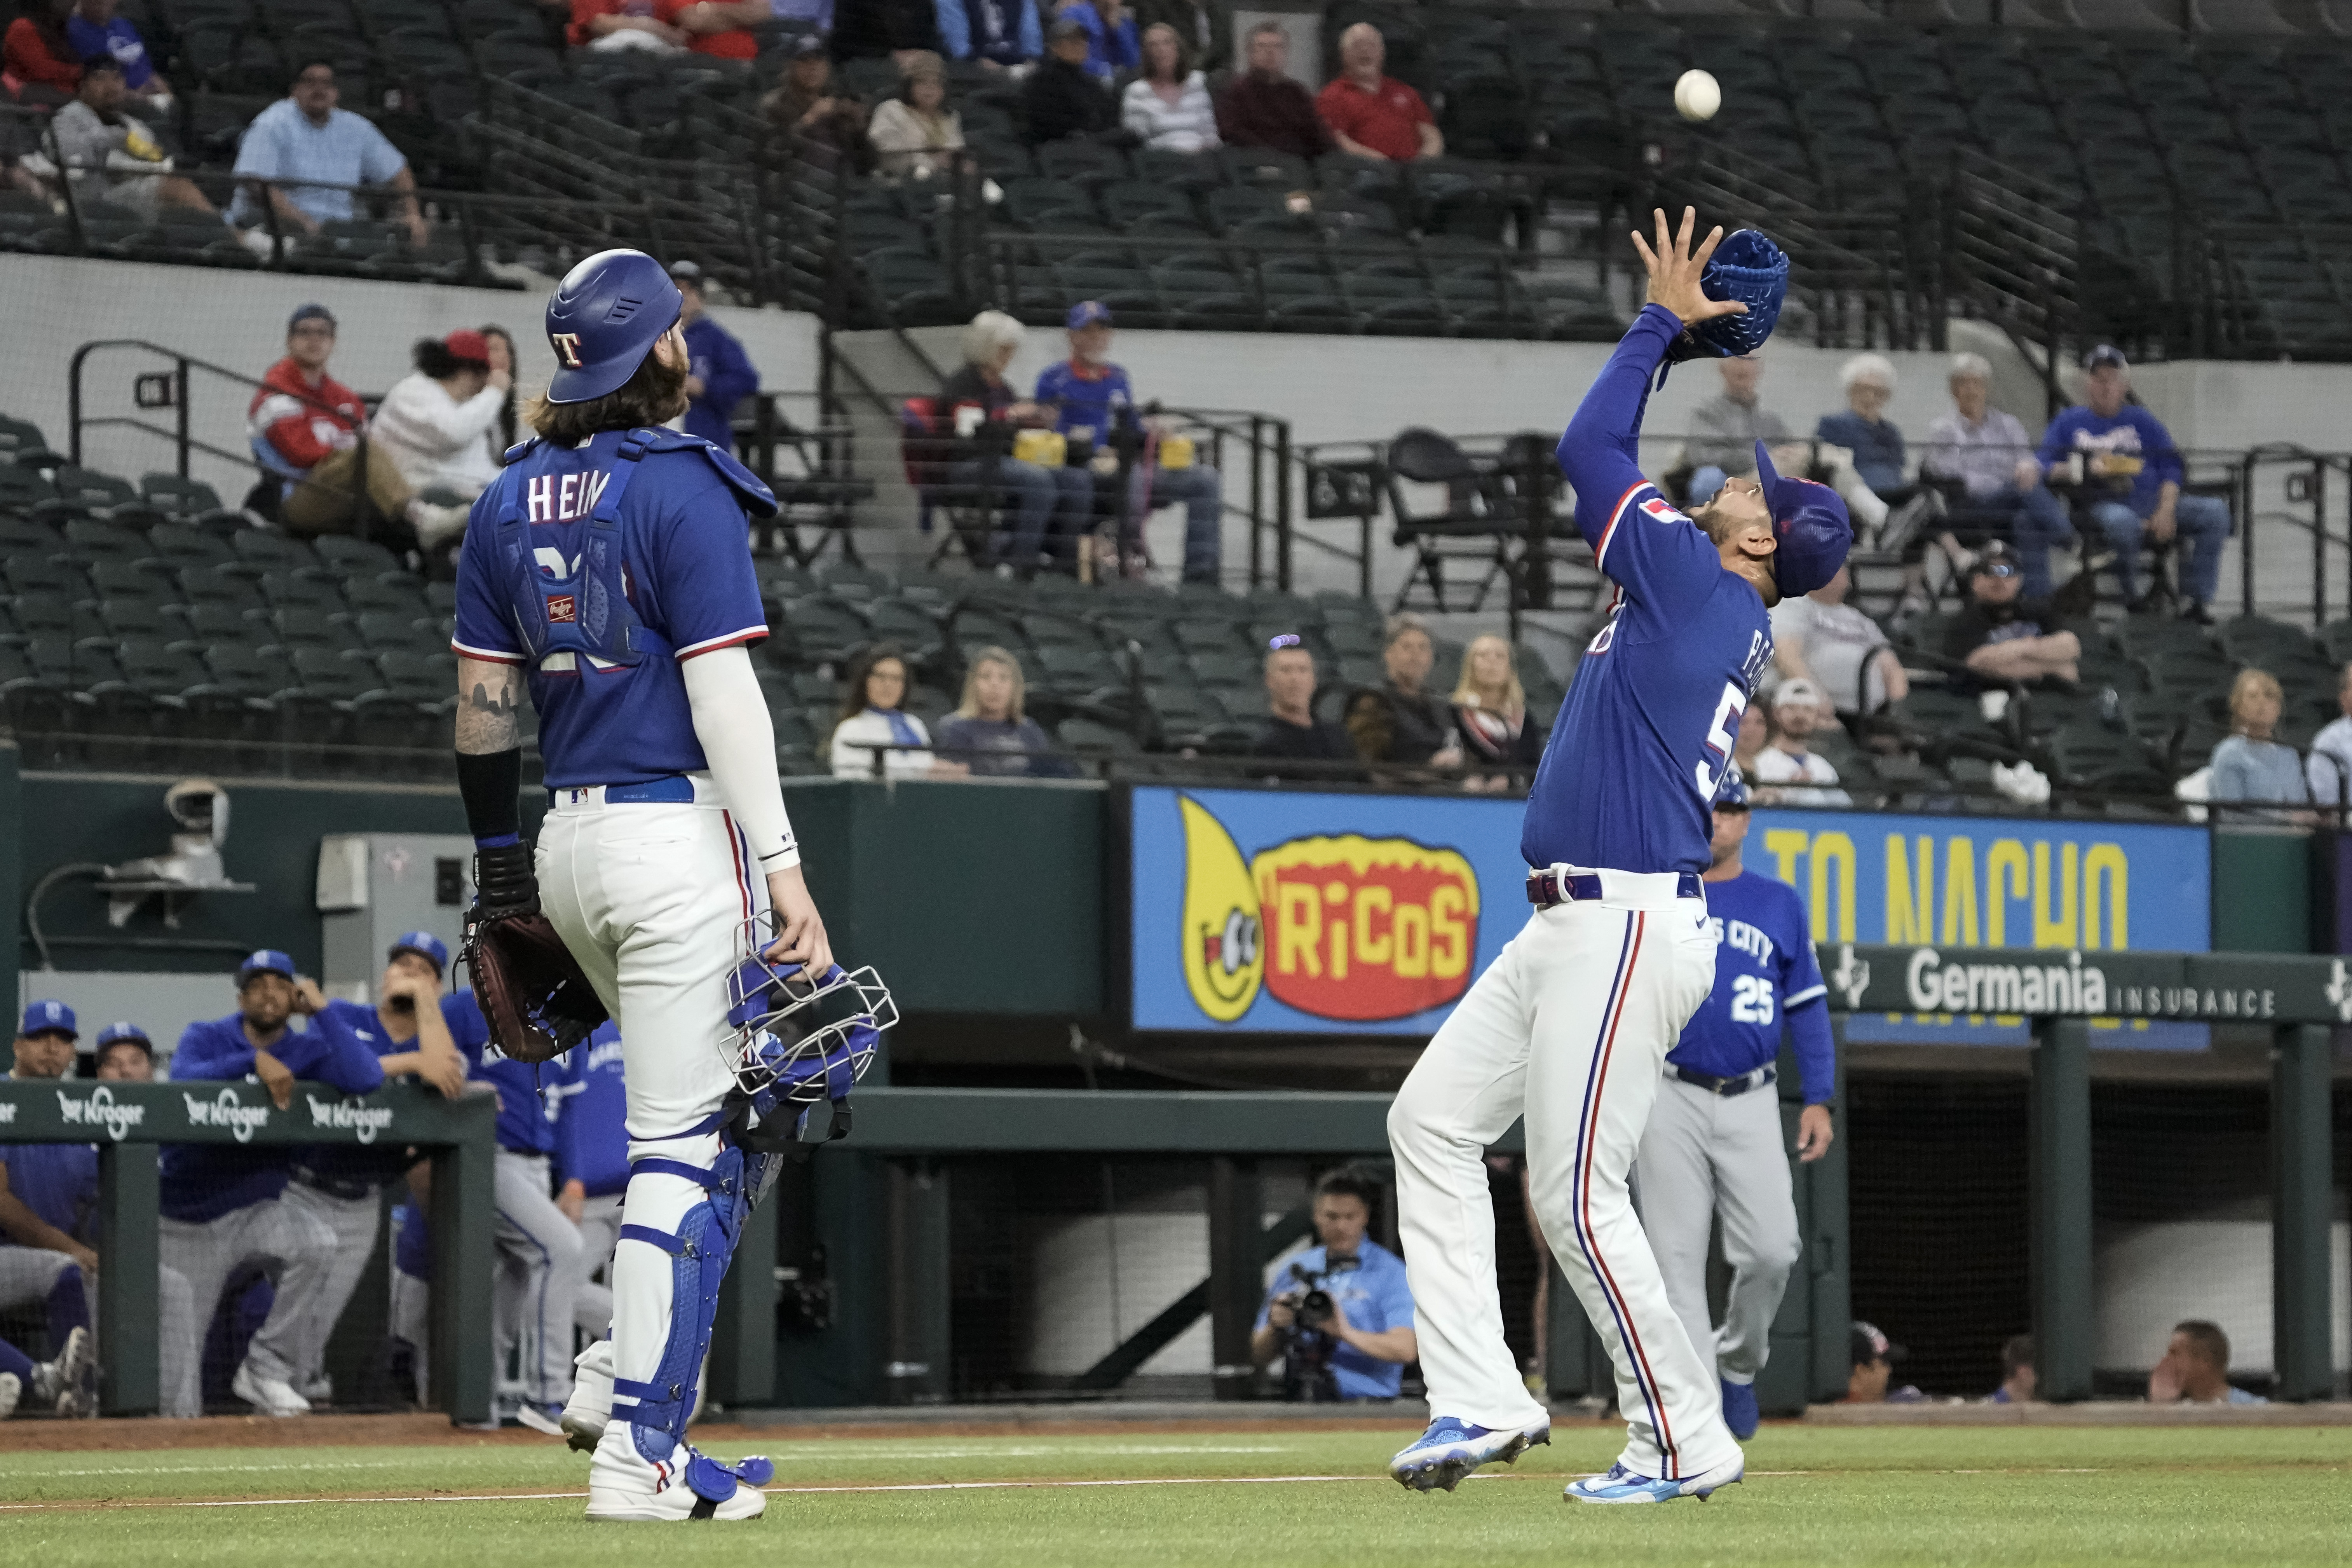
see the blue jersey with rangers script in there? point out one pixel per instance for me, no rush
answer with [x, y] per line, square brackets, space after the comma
[1765, 975]
[601, 574]
[591, 1111]
[1629, 775]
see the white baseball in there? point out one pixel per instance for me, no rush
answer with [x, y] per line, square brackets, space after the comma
[1697, 95]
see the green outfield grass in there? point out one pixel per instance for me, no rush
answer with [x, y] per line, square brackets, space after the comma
[2006, 1495]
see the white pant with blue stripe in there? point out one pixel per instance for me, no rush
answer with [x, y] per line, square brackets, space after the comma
[1569, 1027]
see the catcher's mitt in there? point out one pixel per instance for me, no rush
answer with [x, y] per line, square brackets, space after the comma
[533, 995]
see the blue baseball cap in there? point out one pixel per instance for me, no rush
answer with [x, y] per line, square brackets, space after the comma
[49, 1018]
[311, 312]
[1086, 313]
[121, 1032]
[1813, 527]
[268, 960]
[1733, 796]
[424, 945]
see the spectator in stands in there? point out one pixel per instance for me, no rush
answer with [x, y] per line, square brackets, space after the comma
[1983, 453]
[2249, 765]
[872, 29]
[93, 29]
[38, 53]
[2328, 770]
[870, 720]
[988, 734]
[2196, 1369]
[1755, 736]
[1205, 25]
[810, 104]
[1360, 1352]
[1725, 429]
[1399, 720]
[2018, 1377]
[1089, 398]
[305, 426]
[608, 26]
[1817, 636]
[1062, 98]
[1111, 45]
[502, 433]
[998, 34]
[124, 1055]
[1265, 106]
[1042, 499]
[2121, 461]
[435, 423]
[1875, 1356]
[1792, 773]
[1372, 115]
[1863, 428]
[1167, 105]
[916, 135]
[1292, 732]
[1490, 713]
[720, 374]
[2001, 636]
[111, 153]
[305, 137]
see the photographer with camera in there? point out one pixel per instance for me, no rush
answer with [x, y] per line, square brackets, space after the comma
[1339, 1314]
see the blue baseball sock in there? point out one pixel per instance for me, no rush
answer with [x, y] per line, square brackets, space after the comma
[68, 1305]
[16, 1361]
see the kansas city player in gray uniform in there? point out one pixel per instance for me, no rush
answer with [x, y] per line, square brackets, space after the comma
[1713, 1145]
[1572, 1023]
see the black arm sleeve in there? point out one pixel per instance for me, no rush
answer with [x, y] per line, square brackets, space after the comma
[491, 783]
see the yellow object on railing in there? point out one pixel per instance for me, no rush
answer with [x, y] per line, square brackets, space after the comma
[1175, 451]
[1043, 447]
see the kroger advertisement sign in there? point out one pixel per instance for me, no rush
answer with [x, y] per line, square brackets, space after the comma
[1282, 912]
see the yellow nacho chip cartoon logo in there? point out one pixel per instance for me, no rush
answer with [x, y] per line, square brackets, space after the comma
[1358, 929]
[1224, 960]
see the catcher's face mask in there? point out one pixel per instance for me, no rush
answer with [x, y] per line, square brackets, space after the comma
[803, 1038]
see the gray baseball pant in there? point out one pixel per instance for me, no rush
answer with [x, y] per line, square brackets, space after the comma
[540, 1251]
[207, 1252]
[412, 1320]
[1706, 1154]
[354, 1221]
[600, 1233]
[27, 1274]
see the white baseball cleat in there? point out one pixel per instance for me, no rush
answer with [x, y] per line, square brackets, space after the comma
[1441, 1457]
[1622, 1484]
[590, 1409]
[57, 1384]
[623, 1486]
[270, 1395]
[11, 1389]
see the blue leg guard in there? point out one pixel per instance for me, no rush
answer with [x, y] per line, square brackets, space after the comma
[700, 1251]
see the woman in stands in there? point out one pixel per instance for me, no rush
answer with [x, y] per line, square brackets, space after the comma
[502, 429]
[1168, 105]
[1490, 713]
[984, 413]
[41, 67]
[916, 135]
[871, 722]
[1397, 720]
[2251, 766]
[435, 423]
[988, 733]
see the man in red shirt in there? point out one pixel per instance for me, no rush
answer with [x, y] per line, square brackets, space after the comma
[705, 27]
[305, 427]
[1371, 115]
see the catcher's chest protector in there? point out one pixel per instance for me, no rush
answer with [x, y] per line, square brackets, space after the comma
[584, 609]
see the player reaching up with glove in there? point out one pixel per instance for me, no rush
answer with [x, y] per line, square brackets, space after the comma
[1572, 1023]
[608, 570]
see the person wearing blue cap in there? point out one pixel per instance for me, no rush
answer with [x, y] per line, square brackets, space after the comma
[223, 1204]
[339, 1186]
[47, 1192]
[1713, 1145]
[123, 1054]
[44, 1047]
[1093, 403]
[1571, 1025]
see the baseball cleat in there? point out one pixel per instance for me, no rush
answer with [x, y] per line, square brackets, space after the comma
[1622, 1484]
[319, 1388]
[270, 1395]
[1452, 1448]
[1739, 1410]
[624, 1487]
[11, 1389]
[546, 1419]
[57, 1384]
[590, 1409]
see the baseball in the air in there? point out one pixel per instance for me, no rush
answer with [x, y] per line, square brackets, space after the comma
[1697, 95]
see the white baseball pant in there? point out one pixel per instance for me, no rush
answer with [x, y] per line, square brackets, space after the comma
[1570, 1028]
[600, 1233]
[354, 1221]
[206, 1252]
[651, 899]
[539, 1251]
[1708, 1154]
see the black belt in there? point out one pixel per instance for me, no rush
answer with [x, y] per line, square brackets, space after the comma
[1547, 887]
[345, 1187]
[1727, 1087]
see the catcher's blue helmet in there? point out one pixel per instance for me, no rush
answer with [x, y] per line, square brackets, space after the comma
[1811, 523]
[603, 319]
[1750, 268]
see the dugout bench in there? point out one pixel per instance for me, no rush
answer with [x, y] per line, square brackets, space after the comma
[128, 1120]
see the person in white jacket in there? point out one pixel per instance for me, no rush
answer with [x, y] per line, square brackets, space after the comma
[870, 718]
[433, 423]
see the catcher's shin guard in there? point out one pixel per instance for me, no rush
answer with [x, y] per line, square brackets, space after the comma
[709, 1204]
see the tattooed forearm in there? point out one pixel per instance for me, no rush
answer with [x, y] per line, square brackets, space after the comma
[489, 702]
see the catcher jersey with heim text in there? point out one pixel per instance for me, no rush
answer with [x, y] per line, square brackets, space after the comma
[1765, 974]
[1629, 778]
[681, 582]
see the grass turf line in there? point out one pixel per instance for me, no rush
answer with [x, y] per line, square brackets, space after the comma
[2003, 1496]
